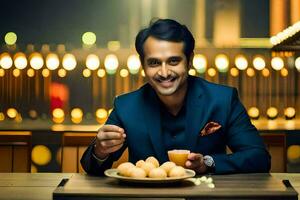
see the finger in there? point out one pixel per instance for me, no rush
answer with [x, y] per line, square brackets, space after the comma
[111, 128]
[193, 164]
[110, 136]
[194, 156]
[112, 149]
[111, 143]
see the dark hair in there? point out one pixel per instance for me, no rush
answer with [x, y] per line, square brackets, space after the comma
[169, 30]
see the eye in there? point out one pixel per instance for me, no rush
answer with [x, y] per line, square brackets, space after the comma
[153, 62]
[174, 61]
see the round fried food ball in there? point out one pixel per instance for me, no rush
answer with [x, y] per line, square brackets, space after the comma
[123, 168]
[157, 173]
[153, 160]
[167, 166]
[147, 167]
[136, 172]
[177, 171]
[139, 163]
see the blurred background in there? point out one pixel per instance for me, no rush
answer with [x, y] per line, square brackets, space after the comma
[63, 62]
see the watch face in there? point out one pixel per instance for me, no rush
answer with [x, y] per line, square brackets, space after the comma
[209, 161]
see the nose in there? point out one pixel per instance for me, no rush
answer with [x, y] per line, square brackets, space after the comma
[164, 70]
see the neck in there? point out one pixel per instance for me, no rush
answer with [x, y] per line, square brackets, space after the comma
[175, 101]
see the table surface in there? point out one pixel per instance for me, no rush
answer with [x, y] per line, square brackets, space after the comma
[27, 186]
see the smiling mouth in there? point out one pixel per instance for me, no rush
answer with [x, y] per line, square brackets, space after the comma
[166, 82]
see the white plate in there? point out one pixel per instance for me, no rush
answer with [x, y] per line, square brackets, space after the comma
[113, 173]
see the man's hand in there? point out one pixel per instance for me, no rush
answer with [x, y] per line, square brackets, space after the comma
[110, 138]
[195, 162]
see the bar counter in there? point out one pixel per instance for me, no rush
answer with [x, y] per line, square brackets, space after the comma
[263, 125]
[31, 186]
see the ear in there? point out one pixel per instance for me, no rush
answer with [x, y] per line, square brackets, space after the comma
[190, 64]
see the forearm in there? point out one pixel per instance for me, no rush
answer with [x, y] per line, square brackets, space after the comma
[91, 165]
[254, 160]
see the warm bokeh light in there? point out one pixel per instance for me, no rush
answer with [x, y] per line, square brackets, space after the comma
[192, 72]
[36, 61]
[58, 120]
[101, 115]
[58, 113]
[69, 62]
[133, 64]
[211, 72]
[265, 72]
[45, 73]
[285, 34]
[222, 62]
[253, 112]
[10, 38]
[2, 72]
[41, 155]
[110, 110]
[33, 169]
[143, 73]
[124, 73]
[101, 73]
[111, 63]
[52, 61]
[16, 72]
[62, 73]
[234, 72]
[20, 60]
[293, 153]
[272, 113]
[250, 72]
[113, 45]
[241, 62]
[284, 72]
[18, 118]
[11, 113]
[5, 61]
[92, 62]
[277, 63]
[2, 116]
[200, 63]
[259, 63]
[89, 38]
[86, 73]
[33, 114]
[76, 115]
[297, 64]
[30, 73]
[289, 113]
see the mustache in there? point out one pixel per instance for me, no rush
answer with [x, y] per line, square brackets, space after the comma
[161, 78]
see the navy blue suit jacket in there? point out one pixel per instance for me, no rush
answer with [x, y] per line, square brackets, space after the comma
[138, 113]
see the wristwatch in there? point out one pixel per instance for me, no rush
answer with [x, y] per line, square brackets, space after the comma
[209, 163]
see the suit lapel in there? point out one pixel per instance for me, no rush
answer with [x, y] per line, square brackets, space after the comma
[196, 113]
[153, 123]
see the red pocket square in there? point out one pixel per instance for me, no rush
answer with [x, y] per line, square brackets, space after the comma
[210, 128]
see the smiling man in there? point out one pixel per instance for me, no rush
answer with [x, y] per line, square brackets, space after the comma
[177, 111]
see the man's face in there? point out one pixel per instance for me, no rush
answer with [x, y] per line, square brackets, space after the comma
[165, 65]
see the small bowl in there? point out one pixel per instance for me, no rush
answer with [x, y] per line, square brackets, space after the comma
[178, 156]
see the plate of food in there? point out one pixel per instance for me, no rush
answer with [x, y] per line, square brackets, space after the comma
[113, 173]
[149, 171]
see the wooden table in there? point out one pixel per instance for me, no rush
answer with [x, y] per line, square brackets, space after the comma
[26, 186]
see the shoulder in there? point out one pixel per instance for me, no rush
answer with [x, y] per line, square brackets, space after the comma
[213, 89]
[132, 97]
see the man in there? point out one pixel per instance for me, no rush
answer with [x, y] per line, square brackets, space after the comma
[177, 111]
